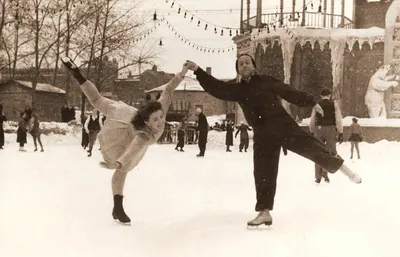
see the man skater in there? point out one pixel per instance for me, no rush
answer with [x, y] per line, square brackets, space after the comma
[324, 128]
[202, 129]
[93, 126]
[273, 127]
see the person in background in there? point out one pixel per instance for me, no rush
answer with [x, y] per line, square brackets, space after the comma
[21, 132]
[85, 135]
[93, 126]
[325, 128]
[3, 118]
[355, 137]
[36, 131]
[28, 112]
[244, 136]
[229, 136]
[181, 136]
[202, 129]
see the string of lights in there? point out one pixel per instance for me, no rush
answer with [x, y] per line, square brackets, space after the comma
[186, 13]
[194, 45]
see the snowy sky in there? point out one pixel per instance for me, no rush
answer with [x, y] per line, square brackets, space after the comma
[225, 13]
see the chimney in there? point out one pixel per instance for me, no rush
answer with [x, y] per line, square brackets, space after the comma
[208, 70]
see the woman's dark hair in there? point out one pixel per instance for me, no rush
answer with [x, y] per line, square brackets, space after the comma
[355, 120]
[144, 112]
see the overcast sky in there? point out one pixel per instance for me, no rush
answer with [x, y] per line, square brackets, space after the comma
[224, 13]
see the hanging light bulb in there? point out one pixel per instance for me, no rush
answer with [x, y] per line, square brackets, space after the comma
[205, 28]
[319, 8]
[191, 19]
[312, 5]
[230, 32]
[179, 10]
[185, 15]
[198, 23]
[215, 30]
[172, 5]
[222, 32]
[161, 43]
[155, 16]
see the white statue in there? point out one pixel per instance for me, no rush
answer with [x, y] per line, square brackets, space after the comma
[383, 79]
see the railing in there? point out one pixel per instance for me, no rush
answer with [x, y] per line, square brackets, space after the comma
[311, 20]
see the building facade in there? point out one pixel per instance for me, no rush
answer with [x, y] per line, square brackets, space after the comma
[16, 95]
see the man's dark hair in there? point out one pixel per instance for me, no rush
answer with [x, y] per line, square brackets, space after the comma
[326, 91]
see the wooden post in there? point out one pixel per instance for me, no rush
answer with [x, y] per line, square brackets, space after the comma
[241, 16]
[259, 13]
[303, 16]
[325, 8]
[332, 11]
[248, 14]
[281, 16]
[293, 10]
[342, 17]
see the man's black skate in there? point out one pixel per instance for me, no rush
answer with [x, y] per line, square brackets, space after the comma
[118, 212]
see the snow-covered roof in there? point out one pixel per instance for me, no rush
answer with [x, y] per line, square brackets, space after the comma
[42, 87]
[188, 84]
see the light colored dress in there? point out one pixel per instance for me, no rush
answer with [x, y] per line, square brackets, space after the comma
[119, 140]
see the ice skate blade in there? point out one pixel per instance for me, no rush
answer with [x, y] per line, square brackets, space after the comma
[268, 223]
[267, 226]
[122, 223]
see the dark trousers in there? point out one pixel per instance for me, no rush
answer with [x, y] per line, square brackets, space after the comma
[327, 135]
[92, 138]
[202, 141]
[268, 141]
[1, 137]
[244, 143]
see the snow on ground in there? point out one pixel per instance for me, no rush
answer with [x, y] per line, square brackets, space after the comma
[58, 203]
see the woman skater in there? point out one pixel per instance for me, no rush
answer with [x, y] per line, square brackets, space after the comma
[127, 132]
[273, 127]
[355, 137]
[36, 131]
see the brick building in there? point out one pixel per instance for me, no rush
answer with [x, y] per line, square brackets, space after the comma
[58, 79]
[189, 96]
[132, 89]
[15, 95]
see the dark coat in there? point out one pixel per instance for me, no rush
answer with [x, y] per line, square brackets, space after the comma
[3, 118]
[244, 135]
[229, 135]
[202, 127]
[21, 131]
[260, 101]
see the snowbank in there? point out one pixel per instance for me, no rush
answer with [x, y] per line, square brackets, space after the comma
[364, 122]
